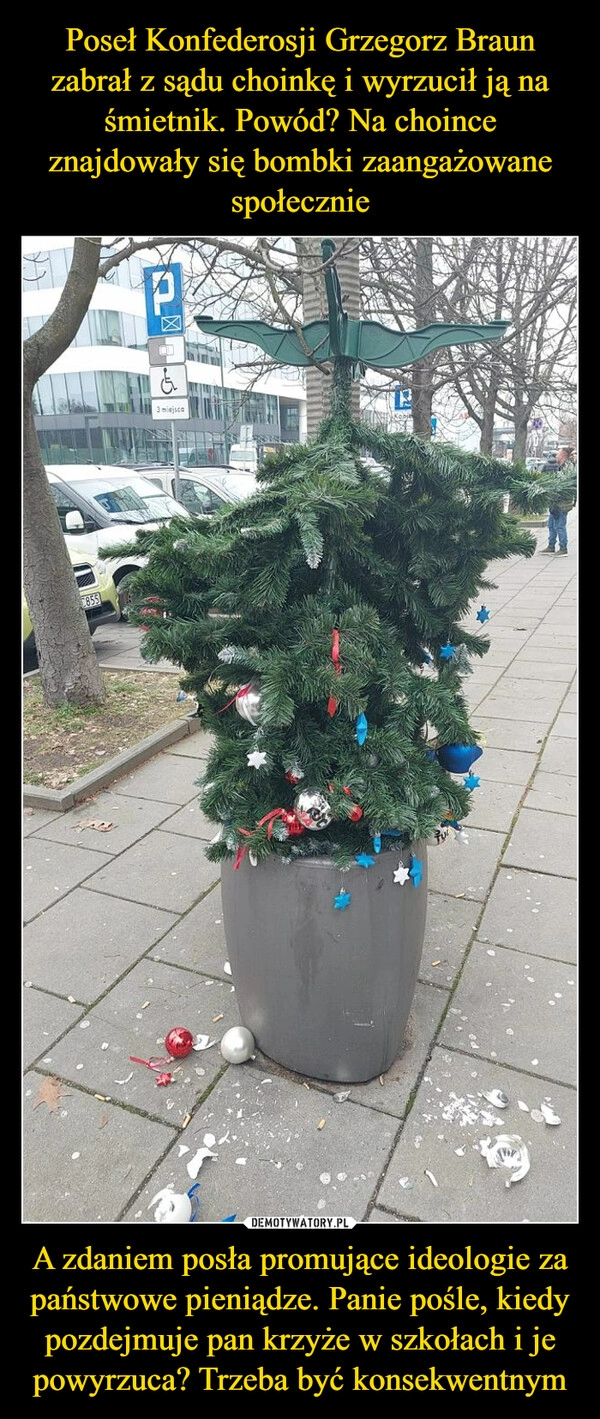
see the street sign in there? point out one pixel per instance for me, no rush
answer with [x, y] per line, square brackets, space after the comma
[166, 350]
[168, 381]
[402, 400]
[164, 299]
[170, 408]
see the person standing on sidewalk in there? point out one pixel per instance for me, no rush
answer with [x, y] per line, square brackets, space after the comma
[563, 498]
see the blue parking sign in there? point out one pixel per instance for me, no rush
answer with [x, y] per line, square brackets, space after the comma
[163, 289]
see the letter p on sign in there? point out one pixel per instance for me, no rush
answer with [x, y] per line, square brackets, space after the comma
[164, 300]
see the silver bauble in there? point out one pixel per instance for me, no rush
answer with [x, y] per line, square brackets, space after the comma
[248, 703]
[313, 809]
[237, 1045]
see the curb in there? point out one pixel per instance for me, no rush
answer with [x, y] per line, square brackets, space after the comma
[60, 799]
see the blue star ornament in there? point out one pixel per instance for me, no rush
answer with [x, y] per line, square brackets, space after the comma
[483, 614]
[342, 901]
[447, 651]
[471, 781]
[363, 859]
[416, 870]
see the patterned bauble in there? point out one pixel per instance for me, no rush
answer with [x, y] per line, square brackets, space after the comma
[179, 1042]
[292, 823]
[248, 702]
[313, 809]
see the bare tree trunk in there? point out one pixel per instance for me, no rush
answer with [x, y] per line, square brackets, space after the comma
[318, 384]
[488, 400]
[520, 444]
[424, 308]
[68, 665]
[67, 660]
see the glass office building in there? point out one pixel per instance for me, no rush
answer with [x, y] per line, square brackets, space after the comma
[94, 404]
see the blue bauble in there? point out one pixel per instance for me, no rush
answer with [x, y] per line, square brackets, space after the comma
[457, 758]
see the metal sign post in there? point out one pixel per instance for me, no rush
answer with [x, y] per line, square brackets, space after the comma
[165, 319]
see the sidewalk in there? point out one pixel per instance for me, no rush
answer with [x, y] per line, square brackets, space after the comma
[123, 940]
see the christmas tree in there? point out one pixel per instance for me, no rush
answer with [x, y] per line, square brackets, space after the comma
[321, 626]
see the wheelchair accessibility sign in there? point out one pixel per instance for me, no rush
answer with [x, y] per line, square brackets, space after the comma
[164, 299]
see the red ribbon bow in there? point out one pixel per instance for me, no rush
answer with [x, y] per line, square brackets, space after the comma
[292, 820]
[234, 698]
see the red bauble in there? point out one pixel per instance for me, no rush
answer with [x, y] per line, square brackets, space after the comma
[292, 823]
[291, 778]
[356, 813]
[179, 1042]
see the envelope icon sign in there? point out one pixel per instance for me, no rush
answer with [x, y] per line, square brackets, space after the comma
[171, 323]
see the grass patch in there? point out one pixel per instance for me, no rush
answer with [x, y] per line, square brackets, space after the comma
[62, 744]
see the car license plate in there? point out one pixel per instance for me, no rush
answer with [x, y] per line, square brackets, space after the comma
[94, 599]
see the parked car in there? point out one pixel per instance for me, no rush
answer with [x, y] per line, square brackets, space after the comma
[203, 491]
[98, 596]
[101, 506]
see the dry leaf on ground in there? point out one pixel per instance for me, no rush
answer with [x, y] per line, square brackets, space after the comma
[50, 1093]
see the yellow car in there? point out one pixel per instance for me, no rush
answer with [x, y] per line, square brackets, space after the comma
[98, 595]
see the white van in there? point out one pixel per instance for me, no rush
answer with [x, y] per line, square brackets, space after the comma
[101, 506]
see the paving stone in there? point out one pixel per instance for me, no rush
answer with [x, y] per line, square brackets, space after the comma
[570, 705]
[559, 756]
[498, 658]
[83, 943]
[164, 870]
[515, 620]
[483, 672]
[118, 1021]
[556, 793]
[50, 870]
[508, 766]
[468, 1190]
[113, 1157]
[537, 709]
[459, 869]
[45, 1018]
[532, 913]
[554, 643]
[34, 818]
[510, 733]
[513, 688]
[523, 668]
[273, 1126]
[378, 1215]
[191, 822]
[494, 804]
[132, 818]
[540, 654]
[169, 778]
[194, 746]
[544, 842]
[448, 931]
[197, 941]
[565, 727]
[510, 1008]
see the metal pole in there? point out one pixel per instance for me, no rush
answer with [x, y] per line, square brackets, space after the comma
[175, 458]
[225, 438]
